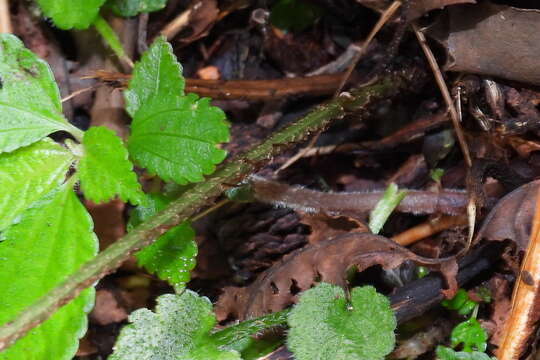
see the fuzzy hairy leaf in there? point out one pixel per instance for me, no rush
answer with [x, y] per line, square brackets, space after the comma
[325, 327]
[30, 107]
[172, 256]
[172, 135]
[69, 14]
[52, 240]
[445, 353]
[105, 170]
[177, 330]
[29, 173]
[129, 8]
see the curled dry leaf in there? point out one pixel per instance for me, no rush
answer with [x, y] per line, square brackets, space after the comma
[468, 37]
[325, 226]
[511, 218]
[327, 261]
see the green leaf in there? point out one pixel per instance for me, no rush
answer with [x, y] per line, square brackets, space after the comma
[445, 353]
[105, 170]
[52, 240]
[178, 330]
[470, 334]
[129, 8]
[172, 256]
[460, 302]
[390, 200]
[30, 106]
[68, 14]
[29, 173]
[172, 135]
[325, 327]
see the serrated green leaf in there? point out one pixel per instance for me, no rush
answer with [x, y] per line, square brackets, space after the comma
[30, 107]
[172, 135]
[129, 8]
[172, 256]
[177, 330]
[105, 170]
[445, 353]
[29, 173]
[470, 334]
[69, 14]
[52, 240]
[325, 327]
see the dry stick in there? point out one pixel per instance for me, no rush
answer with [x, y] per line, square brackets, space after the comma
[524, 313]
[445, 93]
[177, 24]
[430, 227]
[471, 207]
[5, 19]
[193, 200]
[451, 202]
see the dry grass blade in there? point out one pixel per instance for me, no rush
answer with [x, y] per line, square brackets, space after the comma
[444, 91]
[524, 314]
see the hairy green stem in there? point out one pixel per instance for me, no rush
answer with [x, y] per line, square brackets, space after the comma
[110, 37]
[197, 197]
[232, 334]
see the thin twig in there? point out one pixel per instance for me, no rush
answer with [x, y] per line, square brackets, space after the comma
[445, 93]
[5, 18]
[430, 227]
[78, 92]
[178, 23]
[385, 16]
[193, 200]
[524, 313]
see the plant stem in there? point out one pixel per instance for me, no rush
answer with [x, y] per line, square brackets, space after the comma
[232, 334]
[110, 37]
[198, 196]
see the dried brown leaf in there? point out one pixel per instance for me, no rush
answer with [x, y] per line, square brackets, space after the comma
[472, 48]
[326, 261]
[511, 218]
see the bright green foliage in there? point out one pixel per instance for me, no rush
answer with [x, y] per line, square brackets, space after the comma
[390, 200]
[53, 238]
[445, 353]
[179, 329]
[105, 170]
[30, 106]
[29, 173]
[325, 327]
[129, 8]
[172, 255]
[470, 334]
[172, 135]
[110, 37]
[68, 14]
[295, 15]
[460, 302]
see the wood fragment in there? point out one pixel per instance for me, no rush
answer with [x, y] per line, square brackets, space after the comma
[428, 228]
[5, 18]
[257, 90]
[524, 314]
